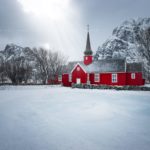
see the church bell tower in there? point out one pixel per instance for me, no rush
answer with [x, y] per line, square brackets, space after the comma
[88, 57]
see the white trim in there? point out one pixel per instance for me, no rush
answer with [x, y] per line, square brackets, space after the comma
[76, 66]
[88, 77]
[108, 72]
[114, 78]
[125, 66]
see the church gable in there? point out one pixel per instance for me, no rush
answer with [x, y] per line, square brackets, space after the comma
[78, 68]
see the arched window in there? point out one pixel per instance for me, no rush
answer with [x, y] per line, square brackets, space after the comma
[78, 68]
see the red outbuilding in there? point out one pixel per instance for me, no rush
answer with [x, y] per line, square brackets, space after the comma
[115, 72]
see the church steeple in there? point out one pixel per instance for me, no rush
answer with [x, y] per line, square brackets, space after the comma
[88, 58]
[88, 50]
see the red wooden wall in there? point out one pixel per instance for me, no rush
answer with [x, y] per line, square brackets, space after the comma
[65, 80]
[137, 81]
[105, 78]
[88, 60]
[79, 74]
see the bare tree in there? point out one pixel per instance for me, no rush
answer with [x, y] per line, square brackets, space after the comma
[11, 71]
[41, 58]
[2, 70]
[36, 64]
[49, 64]
[17, 70]
[26, 71]
[56, 61]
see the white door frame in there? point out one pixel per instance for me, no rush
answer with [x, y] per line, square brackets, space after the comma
[78, 80]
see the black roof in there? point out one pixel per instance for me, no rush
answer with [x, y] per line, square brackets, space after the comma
[134, 67]
[88, 50]
[106, 65]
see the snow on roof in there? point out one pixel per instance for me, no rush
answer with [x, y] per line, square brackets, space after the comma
[105, 65]
[68, 68]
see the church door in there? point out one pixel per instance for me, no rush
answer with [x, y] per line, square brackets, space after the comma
[78, 81]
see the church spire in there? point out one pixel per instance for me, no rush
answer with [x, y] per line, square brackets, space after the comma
[88, 58]
[88, 50]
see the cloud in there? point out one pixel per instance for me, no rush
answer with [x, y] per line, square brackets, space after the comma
[68, 36]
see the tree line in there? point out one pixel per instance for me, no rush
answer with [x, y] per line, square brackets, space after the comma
[36, 65]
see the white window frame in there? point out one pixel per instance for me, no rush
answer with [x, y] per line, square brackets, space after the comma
[114, 78]
[60, 78]
[70, 77]
[132, 75]
[96, 77]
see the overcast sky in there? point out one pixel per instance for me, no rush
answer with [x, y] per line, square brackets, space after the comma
[65, 29]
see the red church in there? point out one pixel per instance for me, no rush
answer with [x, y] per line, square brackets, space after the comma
[114, 72]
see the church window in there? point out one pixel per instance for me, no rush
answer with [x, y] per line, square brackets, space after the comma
[78, 68]
[96, 77]
[132, 75]
[114, 78]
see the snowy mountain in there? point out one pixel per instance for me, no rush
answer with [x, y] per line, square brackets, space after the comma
[15, 52]
[16, 64]
[122, 43]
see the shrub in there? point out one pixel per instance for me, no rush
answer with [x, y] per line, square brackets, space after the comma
[91, 86]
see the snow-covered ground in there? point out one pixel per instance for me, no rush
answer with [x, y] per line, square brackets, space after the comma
[58, 118]
[147, 85]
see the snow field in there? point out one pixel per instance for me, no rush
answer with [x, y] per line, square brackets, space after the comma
[59, 118]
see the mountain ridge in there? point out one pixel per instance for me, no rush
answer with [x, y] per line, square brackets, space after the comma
[122, 43]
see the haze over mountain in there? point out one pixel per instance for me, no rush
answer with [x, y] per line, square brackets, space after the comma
[123, 44]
